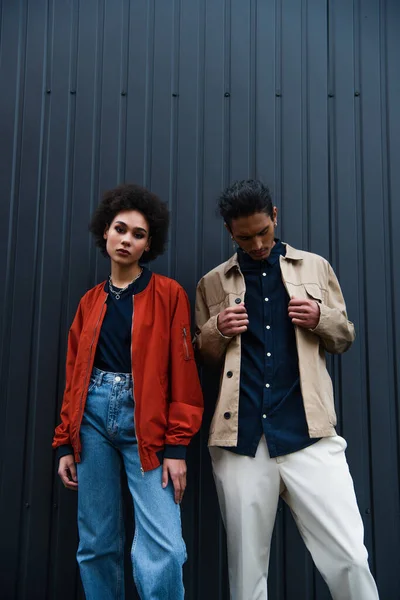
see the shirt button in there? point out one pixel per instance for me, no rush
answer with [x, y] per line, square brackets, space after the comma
[264, 274]
[117, 379]
[268, 327]
[266, 299]
[229, 374]
[264, 416]
[227, 415]
[268, 353]
[238, 300]
[267, 385]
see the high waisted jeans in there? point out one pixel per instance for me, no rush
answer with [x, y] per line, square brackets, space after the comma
[108, 445]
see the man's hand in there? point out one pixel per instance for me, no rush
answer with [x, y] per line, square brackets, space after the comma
[67, 472]
[233, 320]
[304, 312]
[176, 469]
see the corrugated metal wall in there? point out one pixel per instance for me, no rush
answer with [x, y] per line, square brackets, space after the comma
[185, 96]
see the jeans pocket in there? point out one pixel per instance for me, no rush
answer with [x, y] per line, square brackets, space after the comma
[92, 384]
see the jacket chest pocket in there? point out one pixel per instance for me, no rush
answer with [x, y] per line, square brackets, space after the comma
[227, 301]
[311, 291]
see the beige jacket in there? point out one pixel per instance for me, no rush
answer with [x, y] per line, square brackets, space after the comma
[304, 275]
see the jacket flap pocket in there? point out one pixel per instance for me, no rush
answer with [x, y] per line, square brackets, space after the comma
[313, 291]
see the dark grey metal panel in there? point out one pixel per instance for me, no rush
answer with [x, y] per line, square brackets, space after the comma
[185, 97]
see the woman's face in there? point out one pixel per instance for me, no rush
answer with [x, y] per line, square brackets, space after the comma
[127, 238]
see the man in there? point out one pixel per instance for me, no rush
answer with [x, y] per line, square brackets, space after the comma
[267, 315]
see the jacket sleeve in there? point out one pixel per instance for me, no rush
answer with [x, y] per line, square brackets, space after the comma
[186, 398]
[209, 342]
[62, 433]
[334, 329]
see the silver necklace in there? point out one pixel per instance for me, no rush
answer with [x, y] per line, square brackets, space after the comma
[117, 293]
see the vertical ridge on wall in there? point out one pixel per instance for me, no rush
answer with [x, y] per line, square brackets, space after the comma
[199, 259]
[278, 121]
[123, 134]
[174, 136]
[196, 483]
[227, 83]
[100, 164]
[38, 510]
[384, 496]
[304, 99]
[12, 26]
[149, 107]
[252, 90]
[393, 129]
[61, 579]
[388, 237]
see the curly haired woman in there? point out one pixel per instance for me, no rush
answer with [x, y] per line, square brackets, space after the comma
[132, 401]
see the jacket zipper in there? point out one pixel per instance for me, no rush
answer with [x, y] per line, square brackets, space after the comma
[133, 388]
[185, 344]
[89, 361]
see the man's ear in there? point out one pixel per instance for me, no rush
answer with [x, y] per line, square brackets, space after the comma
[228, 228]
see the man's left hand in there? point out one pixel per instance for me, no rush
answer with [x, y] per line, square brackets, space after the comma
[304, 312]
[176, 469]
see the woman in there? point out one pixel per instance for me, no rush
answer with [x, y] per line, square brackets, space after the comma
[132, 400]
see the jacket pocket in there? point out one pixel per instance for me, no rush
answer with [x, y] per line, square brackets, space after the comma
[186, 343]
[313, 291]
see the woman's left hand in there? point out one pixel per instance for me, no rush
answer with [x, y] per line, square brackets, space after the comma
[176, 469]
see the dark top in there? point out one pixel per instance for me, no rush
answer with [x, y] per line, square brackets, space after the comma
[113, 351]
[270, 401]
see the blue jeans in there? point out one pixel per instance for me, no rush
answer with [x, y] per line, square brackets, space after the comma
[158, 550]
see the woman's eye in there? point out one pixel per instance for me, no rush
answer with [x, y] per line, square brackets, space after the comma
[119, 229]
[139, 236]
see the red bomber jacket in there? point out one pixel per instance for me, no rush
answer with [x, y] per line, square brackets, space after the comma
[167, 392]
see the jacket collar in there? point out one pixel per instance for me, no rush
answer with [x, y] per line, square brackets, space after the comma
[291, 254]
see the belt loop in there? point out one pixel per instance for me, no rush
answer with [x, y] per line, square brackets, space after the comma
[127, 382]
[100, 376]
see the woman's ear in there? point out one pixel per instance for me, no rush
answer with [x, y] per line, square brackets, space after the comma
[148, 245]
[105, 234]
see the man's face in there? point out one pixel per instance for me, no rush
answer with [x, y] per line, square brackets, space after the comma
[255, 234]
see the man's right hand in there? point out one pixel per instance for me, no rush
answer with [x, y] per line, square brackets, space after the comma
[67, 472]
[233, 320]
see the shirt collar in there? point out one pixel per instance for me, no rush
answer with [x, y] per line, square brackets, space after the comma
[291, 254]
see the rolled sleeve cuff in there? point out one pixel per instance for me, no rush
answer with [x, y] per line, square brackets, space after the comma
[215, 336]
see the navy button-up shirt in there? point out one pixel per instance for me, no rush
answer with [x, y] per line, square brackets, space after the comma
[270, 401]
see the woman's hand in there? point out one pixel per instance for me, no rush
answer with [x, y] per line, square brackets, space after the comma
[67, 472]
[176, 469]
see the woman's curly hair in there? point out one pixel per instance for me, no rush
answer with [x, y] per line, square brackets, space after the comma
[132, 197]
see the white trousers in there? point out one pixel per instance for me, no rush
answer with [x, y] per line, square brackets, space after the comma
[317, 486]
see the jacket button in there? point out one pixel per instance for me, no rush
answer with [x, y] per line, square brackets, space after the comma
[238, 300]
[229, 374]
[227, 415]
